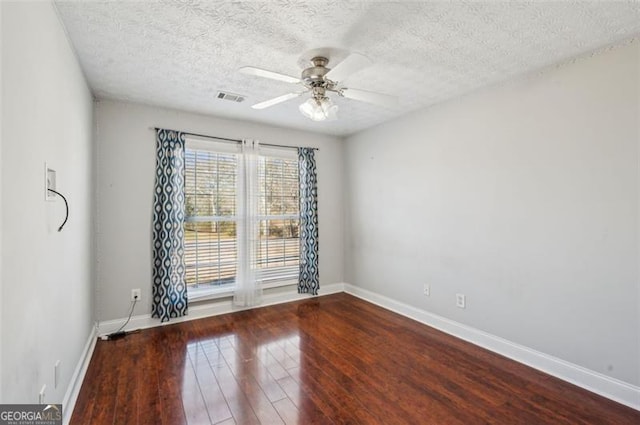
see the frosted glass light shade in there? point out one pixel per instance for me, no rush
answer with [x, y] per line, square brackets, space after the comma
[319, 110]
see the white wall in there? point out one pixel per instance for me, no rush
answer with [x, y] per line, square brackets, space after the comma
[1, 203]
[126, 164]
[525, 198]
[47, 311]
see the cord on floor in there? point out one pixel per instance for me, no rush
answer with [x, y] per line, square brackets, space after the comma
[120, 333]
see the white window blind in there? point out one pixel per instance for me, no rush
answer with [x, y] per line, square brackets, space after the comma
[279, 251]
[211, 222]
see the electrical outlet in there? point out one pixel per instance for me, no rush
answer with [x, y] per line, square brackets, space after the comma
[426, 290]
[41, 394]
[56, 374]
[136, 294]
[461, 301]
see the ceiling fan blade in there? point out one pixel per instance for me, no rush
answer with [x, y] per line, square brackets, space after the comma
[352, 63]
[252, 70]
[369, 97]
[276, 100]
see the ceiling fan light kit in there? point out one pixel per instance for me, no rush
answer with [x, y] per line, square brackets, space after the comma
[319, 109]
[318, 79]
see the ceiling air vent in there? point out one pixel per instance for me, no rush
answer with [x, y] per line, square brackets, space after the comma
[230, 96]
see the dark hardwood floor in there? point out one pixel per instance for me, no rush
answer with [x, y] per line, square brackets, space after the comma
[327, 360]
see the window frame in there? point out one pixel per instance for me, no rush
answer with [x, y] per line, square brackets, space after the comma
[208, 293]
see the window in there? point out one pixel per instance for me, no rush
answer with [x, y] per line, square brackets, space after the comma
[279, 249]
[211, 221]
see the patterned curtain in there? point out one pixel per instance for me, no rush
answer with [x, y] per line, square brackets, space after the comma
[309, 280]
[169, 289]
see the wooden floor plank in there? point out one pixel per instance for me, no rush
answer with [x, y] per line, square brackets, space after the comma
[326, 360]
[195, 408]
[211, 392]
[149, 400]
[129, 379]
[287, 411]
[236, 399]
[106, 382]
[91, 395]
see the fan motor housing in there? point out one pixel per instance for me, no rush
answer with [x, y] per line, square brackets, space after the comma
[314, 76]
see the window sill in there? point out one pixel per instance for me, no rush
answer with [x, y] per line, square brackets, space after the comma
[205, 294]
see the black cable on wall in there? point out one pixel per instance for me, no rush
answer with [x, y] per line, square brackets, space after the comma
[66, 204]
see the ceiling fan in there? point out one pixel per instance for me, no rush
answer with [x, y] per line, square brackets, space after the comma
[319, 80]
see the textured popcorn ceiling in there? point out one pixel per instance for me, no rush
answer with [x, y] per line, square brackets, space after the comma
[180, 53]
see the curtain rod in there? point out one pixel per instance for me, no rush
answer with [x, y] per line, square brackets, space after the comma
[226, 139]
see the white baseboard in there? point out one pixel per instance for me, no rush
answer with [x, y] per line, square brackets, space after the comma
[71, 396]
[213, 308]
[598, 383]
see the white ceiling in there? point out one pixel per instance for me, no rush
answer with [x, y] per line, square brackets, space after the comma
[180, 53]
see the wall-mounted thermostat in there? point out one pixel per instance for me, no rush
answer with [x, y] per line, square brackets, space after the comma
[49, 183]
